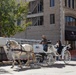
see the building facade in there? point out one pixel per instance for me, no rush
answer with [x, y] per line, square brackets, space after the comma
[54, 18]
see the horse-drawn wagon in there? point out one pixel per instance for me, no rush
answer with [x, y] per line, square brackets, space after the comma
[52, 55]
[12, 49]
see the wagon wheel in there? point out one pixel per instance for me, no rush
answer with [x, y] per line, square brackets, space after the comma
[38, 58]
[51, 58]
[67, 57]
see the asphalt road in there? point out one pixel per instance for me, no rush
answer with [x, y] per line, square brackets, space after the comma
[59, 68]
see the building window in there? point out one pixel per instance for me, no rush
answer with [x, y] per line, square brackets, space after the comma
[66, 3]
[40, 6]
[52, 18]
[73, 4]
[52, 3]
[70, 21]
[37, 21]
[69, 3]
[40, 20]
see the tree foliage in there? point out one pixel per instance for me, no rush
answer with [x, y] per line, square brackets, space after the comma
[10, 12]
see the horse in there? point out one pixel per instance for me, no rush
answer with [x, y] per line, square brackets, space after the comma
[52, 49]
[16, 51]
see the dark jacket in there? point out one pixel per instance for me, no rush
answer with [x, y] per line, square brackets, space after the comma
[44, 42]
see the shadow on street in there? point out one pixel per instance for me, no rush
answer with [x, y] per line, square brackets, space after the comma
[55, 65]
[3, 71]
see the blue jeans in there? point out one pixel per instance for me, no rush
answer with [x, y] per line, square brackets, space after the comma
[45, 46]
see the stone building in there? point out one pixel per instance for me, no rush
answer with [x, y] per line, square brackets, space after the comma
[54, 18]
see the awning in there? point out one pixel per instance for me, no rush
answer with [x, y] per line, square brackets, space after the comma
[70, 35]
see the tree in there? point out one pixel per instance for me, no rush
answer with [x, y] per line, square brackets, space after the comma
[10, 13]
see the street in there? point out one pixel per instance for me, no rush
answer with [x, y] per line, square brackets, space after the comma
[59, 68]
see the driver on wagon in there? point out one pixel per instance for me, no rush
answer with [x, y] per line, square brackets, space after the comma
[44, 42]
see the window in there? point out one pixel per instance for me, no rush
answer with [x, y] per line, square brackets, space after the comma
[37, 21]
[52, 19]
[52, 3]
[40, 20]
[40, 6]
[69, 3]
[73, 4]
[65, 2]
[70, 21]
